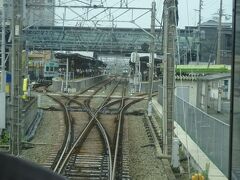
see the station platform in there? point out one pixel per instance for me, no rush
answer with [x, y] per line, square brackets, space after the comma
[76, 84]
[199, 157]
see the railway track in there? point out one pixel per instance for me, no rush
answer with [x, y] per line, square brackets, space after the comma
[90, 155]
[65, 147]
[41, 87]
[66, 131]
[99, 150]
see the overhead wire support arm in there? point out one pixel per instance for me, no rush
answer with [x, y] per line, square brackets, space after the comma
[141, 15]
[120, 14]
[127, 10]
[133, 22]
[78, 15]
[87, 23]
[84, 2]
[89, 7]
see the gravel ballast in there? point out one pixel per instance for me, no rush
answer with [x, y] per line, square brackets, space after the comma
[143, 163]
[47, 136]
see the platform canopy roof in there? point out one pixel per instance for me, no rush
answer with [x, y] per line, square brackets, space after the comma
[80, 60]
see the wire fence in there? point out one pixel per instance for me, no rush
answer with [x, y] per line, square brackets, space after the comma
[209, 133]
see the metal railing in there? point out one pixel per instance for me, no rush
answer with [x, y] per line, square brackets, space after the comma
[208, 132]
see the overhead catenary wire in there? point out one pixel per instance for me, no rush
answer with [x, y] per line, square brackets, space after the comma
[101, 19]
[111, 13]
[96, 17]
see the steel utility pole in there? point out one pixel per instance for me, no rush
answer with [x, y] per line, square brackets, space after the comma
[165, 45]
[16, 67]
[151, 59]
[199, 31]
[168, 73]
[219, 35]
[67, 71]
[3, 73]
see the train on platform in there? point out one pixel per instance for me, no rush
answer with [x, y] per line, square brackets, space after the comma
[78, 65]
[51, 70]
[43, 71]
[125, 72]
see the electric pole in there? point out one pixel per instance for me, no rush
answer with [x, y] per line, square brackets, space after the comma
[16, 74]
[3, 74]
[151, 59]
[67, 73]
[219, 35]
[199, 31]
[169, 49]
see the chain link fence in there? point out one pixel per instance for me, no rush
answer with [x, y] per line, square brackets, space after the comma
[211, 134]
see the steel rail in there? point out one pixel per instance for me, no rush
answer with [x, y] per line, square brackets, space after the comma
[86, 131]
[66, 144]
[67, 138]
[118, 133]
[120, 126]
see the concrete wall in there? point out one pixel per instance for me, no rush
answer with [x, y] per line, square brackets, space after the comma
[33, 14]
[192, 89]
[77, 84]
[207, 94]
[186, 90]
[29, 114]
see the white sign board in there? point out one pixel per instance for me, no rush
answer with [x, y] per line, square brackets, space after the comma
[2, 110]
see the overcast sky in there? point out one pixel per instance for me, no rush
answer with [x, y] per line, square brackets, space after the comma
[187, 10]
[210, 7]
[188, 14]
